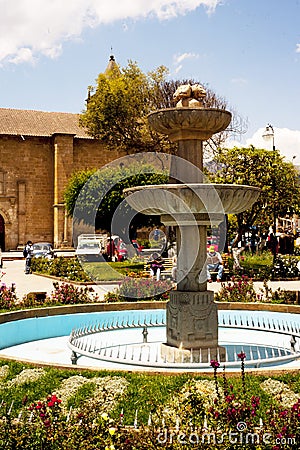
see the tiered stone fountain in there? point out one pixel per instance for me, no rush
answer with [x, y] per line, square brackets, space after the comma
[192, 321]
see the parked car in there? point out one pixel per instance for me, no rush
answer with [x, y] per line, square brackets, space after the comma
[43, 250]
[89, 247]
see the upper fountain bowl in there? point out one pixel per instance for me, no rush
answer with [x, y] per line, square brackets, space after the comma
[189, 123]
[183, 200]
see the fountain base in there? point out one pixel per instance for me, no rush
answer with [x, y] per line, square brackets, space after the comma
[192, 320]
[171, 354]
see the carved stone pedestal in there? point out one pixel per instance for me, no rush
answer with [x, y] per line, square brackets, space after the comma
[192, 320]
[192, 328]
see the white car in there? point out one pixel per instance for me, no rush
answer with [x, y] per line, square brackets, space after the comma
[89, 247]
[43, 250]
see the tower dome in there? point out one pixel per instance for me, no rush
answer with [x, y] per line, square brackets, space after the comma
[112, 69]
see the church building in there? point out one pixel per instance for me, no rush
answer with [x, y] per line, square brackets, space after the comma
[39, 151]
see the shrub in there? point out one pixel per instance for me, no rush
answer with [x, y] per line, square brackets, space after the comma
[286, 267]
[133, 289]
[68, 294]
[238, 289]
[261, 266]
[257, 266]
[68, 268]
[241, 289]
[63, 294]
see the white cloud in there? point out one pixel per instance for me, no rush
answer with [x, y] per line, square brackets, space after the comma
[178, 68]
[298, 48]
[178, 59]
[23, 55]
[40, 27]
[285, 140]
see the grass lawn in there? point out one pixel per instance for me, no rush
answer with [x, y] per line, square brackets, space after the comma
[250, 261]
[114, 271]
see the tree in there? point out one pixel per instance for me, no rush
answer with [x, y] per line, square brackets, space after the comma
[93, 196]
[117, 111]
[265, 169]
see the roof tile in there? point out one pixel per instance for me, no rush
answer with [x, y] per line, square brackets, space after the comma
[39, 123]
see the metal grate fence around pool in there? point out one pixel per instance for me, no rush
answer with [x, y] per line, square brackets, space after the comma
[266, 341]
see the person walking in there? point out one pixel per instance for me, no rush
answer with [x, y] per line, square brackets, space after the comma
[272, 244]
[28, 253]
[237, 247]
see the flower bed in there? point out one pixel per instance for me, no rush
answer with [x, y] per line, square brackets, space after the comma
[133, 289]
[63, 294]
[72, 269]
[54, 409]
[241, 289]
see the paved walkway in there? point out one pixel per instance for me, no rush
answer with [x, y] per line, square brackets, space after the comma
[14, 273]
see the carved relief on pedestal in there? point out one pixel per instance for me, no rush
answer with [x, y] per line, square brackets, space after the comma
[192, 320]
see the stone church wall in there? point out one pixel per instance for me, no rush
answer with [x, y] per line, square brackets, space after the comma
[33, 174]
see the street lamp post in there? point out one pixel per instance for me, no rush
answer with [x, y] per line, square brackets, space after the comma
[268, 135]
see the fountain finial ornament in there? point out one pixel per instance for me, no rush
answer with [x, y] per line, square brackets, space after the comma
[189, 96]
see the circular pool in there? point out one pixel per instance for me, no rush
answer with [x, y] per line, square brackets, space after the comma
[130, 339]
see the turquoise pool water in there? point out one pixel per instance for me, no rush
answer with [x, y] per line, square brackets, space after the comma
[37, 328]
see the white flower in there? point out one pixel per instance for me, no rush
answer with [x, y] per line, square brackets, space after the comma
[26, 376]
[4, 371]
[285, 396]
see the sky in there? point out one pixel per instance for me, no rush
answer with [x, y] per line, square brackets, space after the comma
[247, 51]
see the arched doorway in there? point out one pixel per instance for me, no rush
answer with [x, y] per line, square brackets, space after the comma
[2, 233]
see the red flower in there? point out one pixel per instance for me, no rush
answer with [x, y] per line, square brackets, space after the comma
[53, 400]
[214, 364]
[255, 401]
[47, 423]
[229, 398]
[242, 356]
